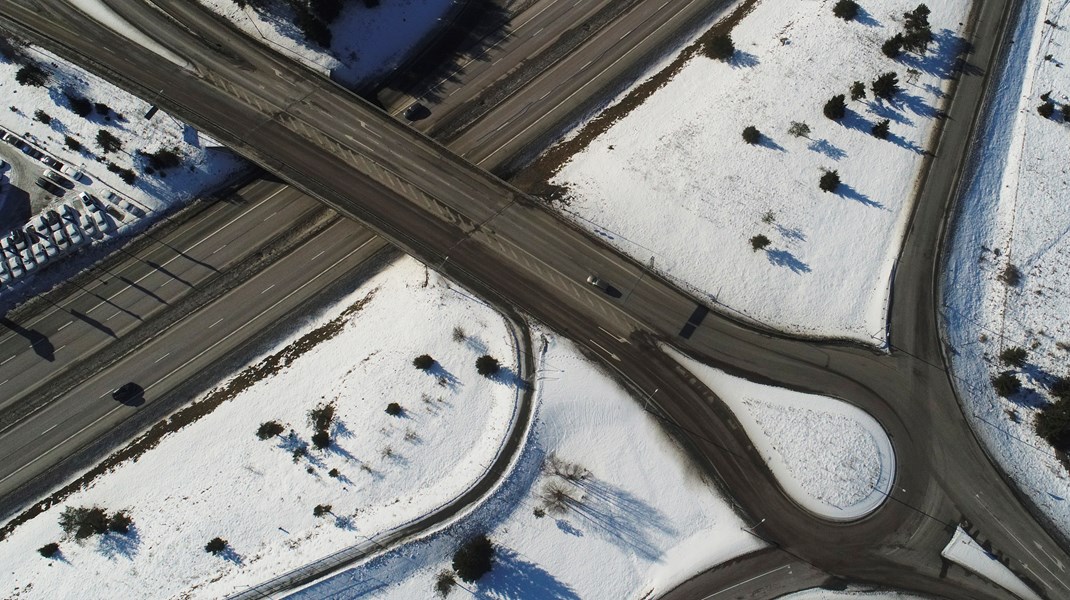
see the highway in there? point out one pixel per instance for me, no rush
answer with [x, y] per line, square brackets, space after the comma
[490, 237]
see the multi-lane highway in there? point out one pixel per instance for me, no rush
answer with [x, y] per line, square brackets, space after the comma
[471, 226]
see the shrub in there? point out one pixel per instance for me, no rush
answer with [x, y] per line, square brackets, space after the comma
[31, 75]
[269, 429]
[299, 453]
[423, 362]
[108, 142]
[321, 417]
[799, 129]
[72, 143]
[1006, 384]
[1060, 388]
[42, 116]
[393, 409]
[846, 9]
[78, 103]
[880, 129]
[751, 135]
[215, 546]
[321, 509]
[333, 473]
[474, 559]
[719, 47]
[829, 181]
[82, 522]
[836, 107]
[918, 31]
[459, 334]
[1011, 275]
[321, 439]
[886, 86]
[120, 522]
[858, 90]
[163, 159]
[487, 365]
[48, 550]
[444, 583]
[1047, 109]
[126, 175]
[1053, 424]
[893, 47]
[758, 242]
[1013, 356]
[102, 109]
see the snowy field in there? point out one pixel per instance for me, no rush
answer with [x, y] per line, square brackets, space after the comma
[639, 520]
[674, 184]
[1015, 211]
[367, 42]
[819, 594]
[216, 478]
[830, 457]
[965, 551]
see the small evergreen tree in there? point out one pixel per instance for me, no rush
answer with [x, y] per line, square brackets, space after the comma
[919, 33]
[108, 142]
[269, 429]
[1066, 113]
[799, 129]
[48, 550]
[78, 103]
[120, 522]
[880, 129]
[83, 522]
[215, 546]
[751, 135]
[1013, 356]
[1060, 388]
[321, 439]
[31, 75]
[858, 91]
[830, 180]
[321, 417]
[1011, 275]
[1053, 424]
[72, 143]
[1006, 384]
[886, 86]
[474, 559]
[720, 47]
[321, 509]
[893, 47]
[1047, 109]
[423, 362]
[846, 9]
[394, 409]
[487, 365]
[758, 242]
[42, 116]
[444, 583]
[836, 107]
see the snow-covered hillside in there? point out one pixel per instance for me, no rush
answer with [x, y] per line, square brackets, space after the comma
[674, 184]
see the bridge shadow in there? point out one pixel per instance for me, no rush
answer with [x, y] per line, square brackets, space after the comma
[38, 341]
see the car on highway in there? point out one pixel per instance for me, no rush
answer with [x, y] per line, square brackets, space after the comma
[417, 111]
[127, 392]
[596, 281]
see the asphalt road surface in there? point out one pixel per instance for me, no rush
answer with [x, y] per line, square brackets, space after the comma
[490, 237]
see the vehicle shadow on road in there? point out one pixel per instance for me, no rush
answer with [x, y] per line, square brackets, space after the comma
[38, 341]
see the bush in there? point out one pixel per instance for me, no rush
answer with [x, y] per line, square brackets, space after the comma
[82, 522]
[102, 109]
[321, 509]
[459, 334]
[269, 429]
[48, 550]
[474, 559]
[798, 129]
[846, 9]
[886, 86]
[1060, 388]
[858, 90]
[126, 175]
[1006, 384]
[321, 439]
[758, 242]
[1053, 424]
[919, 33]
[79, 104]
[333, 473]
[215, 546]
[394, 409]
[120, 522]
[42, 116]
[1047, 109]
[444, 583]
[108, 142]
[163, 159]
[487, 365]
[893, 47]
[321, 417]
[72, 143]
[299, 453]
[719, 47]
[1013, 356]
[423, 362]
[751, 135]
[836, 107]
[1011, 275]
[880, 129]
[31, 75]
[829, 181]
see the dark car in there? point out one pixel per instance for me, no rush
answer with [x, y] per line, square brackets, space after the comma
[416, 112]
[127, 392]
[49, 187]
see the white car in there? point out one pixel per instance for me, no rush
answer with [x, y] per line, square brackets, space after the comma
[40, 223]
[40, 255]
[75, 235]
[26, 255]
[87, 200]
[50, 248]
[69, 212]
[102, 221]
[16, 268]
[74, 172]
[89, 226]
[132, 208]
[62, 244]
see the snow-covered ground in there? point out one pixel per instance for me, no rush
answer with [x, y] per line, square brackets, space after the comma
[216, 478]
[1015, 211]
[819, 594]
[674, 184]
[638, 521]
[830, 457]
[367, 42]
[965, 551]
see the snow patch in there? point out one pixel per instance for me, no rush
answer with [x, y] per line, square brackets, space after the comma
[103, 14]
[964, 551]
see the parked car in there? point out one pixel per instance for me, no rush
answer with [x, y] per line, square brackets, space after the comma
[31, 151]
[56, 178]
[51, 251]
[75, 235]
[73, 172]
[12, 139]
[87, 199]
[132, 208]
[101, 221]
[40, 255]
[49, 187]
[89, 226]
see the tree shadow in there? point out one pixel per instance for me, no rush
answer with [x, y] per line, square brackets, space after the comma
[443, 375]
[509, 377]
[743, 60]
[626, 520]
[142, 289]
[943, 59]
[826, 148]
[230, 555]
[848, 192]
[475, 344]
[113, 545]
[862, 17]
[1028, 397]
[784, 258]
[794, 234]
[568, 528]
[915, 104]
[514, 578]
[768, 142]
[885, 111]
[38, 341]
[904, 143]
[345, 522]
